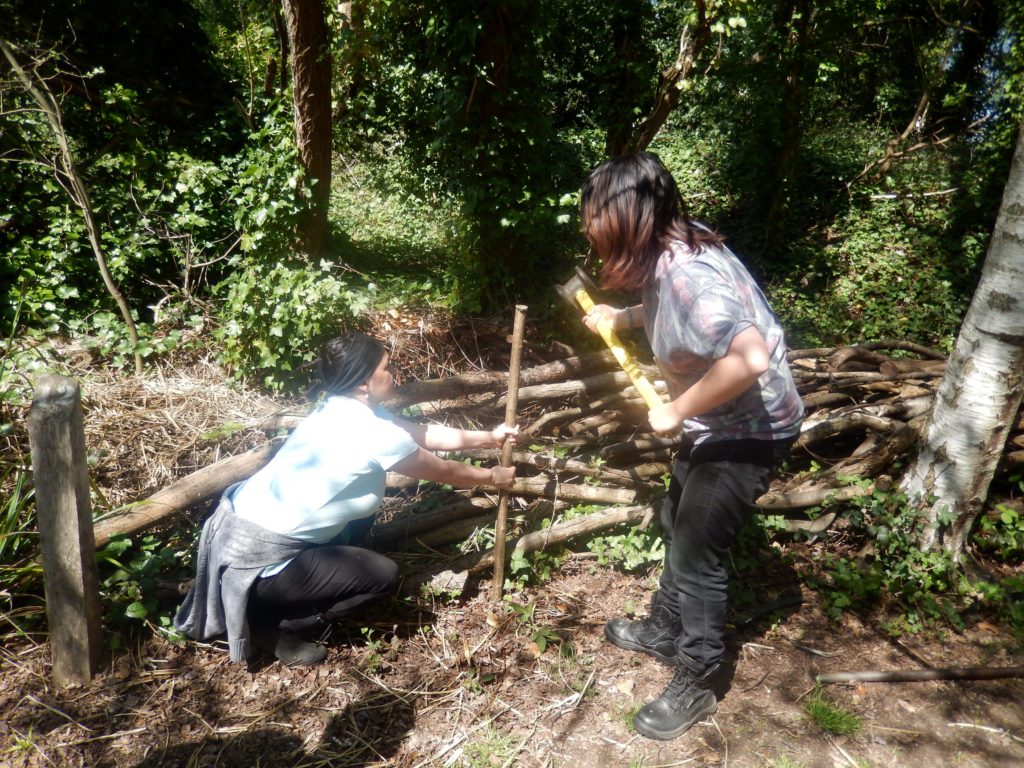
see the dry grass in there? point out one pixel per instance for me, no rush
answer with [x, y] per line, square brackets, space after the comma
[185, 412]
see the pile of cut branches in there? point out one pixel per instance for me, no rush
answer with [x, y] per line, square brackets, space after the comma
[585, 438]
[584, 441]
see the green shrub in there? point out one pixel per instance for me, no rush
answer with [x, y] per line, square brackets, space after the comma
[275, 316]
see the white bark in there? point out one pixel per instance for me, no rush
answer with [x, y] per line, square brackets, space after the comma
[981, 391]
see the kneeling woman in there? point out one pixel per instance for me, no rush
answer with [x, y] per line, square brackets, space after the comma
[279, 559]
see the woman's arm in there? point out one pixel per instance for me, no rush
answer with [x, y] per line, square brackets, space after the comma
[437, 437]
[423, 465]
[727, 378]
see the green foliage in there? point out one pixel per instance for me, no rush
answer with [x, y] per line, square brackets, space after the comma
[541, 636]
[849, 244]
[415, 248]
[130, 572]
[470, 114]
[275, 316]
[633, 550]
[922, 582]
[532, 567]
[125, 155]
[378, 649]
[1001, 531]
[20, 571]
[830, 717]
[926, 585]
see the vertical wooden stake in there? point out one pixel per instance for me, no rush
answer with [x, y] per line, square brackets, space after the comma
[511, 403]
[64, 516]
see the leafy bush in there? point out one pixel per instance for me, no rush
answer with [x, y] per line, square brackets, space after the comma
[926, 586]
[275, 316]
[130, 573]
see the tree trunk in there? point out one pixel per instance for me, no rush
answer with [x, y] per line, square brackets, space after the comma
[978, 398]
[787, 164]
[673, 79]
[308, 40]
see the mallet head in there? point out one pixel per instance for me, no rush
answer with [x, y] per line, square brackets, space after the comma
[580, 281]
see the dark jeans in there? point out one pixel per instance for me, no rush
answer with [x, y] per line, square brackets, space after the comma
[711, 494]
[322, 584]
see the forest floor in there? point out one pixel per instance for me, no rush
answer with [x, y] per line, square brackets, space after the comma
[465, 683]
[530, 681]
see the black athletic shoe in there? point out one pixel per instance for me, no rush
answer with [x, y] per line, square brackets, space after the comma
[687, 699]
[655, 635]
[290, 649]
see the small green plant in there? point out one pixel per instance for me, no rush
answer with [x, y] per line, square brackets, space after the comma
[375, 649]
[830, 717]
[379, 648]
[481, 538]
[23, 743]
[532, 567]
[785, 762]
[541, 636]
[18, 537]
[1001, 531]
[489, 749]
[626, 713]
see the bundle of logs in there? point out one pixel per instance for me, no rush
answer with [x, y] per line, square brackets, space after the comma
[584, 441]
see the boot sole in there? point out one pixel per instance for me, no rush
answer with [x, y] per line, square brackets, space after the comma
[628, 645]
[675, 733]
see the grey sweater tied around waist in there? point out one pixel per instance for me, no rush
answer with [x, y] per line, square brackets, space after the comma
[232, 553]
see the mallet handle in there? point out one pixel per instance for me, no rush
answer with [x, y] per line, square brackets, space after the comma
[629, 365]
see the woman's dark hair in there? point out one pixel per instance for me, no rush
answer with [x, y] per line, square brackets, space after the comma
[631, 209]
[347, 361]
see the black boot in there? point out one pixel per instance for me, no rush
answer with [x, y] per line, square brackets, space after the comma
[655, 634]
[687, 699]
[289, 648]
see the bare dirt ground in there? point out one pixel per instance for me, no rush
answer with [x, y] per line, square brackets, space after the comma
[464, 683]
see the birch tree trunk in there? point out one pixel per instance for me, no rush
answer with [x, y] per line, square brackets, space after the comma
[980, 394]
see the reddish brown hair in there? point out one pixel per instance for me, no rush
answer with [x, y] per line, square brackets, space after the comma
[631, 209]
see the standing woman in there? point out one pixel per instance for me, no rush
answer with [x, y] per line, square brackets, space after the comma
[722, 351]
[280, 559]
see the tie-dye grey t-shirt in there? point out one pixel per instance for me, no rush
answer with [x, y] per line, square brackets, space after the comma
[693, 308]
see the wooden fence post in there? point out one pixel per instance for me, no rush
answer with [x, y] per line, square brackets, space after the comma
[64, 515]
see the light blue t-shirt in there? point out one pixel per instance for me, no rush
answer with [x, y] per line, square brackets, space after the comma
[330, 472]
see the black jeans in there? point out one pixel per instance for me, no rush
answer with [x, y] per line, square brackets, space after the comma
[711, 494]
[322, 584]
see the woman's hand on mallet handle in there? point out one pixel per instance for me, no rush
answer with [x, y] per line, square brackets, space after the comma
[665, 419]
[600, 311]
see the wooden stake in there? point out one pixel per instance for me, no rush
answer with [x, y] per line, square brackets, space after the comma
[920, 675]
[64, 517]
[498, 584]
